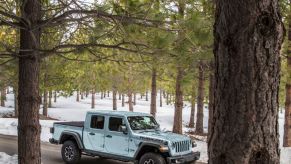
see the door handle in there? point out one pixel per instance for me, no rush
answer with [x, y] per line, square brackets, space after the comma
[109, 136]
[92, 134]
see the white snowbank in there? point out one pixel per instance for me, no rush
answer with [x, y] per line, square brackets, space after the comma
[68, 109]
[7, 159]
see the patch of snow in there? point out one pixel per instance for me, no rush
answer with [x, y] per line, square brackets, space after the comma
[7, 159]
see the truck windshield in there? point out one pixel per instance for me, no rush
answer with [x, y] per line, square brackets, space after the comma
[142, 122]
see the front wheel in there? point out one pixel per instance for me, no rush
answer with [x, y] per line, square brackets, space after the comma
[71, 154]
[152, 158]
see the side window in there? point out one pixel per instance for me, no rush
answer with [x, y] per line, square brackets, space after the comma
[97, 122]
[115, 124]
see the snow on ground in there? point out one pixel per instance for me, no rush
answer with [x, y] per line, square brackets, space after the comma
[67, 109]
[7, 159]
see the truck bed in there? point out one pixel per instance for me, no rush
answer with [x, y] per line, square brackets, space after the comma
[73, 123]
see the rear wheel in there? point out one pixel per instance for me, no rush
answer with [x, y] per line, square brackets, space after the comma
[71, 154]
[152, 158]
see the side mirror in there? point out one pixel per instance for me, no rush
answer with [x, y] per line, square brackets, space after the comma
[124, 129]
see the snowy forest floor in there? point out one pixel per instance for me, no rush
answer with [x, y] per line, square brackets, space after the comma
[68, 109]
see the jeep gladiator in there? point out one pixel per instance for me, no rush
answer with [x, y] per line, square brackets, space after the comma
[124, 136]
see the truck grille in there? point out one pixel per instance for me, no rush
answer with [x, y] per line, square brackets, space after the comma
[182, 146]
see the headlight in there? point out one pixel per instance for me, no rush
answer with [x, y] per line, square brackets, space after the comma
[164, 149]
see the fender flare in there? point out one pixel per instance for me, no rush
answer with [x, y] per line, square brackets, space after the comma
[75, 135]
[142, 145]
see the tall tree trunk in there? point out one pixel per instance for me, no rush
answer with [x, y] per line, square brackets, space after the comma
[147, 96]
[200, 101]
[210, 104]
[55, 96]
[114, 98]
[119, 96]
[122, 101]
[161, 98]
[50, 99]
[45, 102]
[154, 93]
[192, 115]
[130, 104]
[87, 93]
[177, 127]
[287, 125]
[102, 95]
[82, 95]
[248, 36]
[78, 96]
[93, 99]
[134, 99]
[3, 97]
[28, 92]
[108, 93]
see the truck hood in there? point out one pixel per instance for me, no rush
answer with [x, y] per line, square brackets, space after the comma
[161, 136]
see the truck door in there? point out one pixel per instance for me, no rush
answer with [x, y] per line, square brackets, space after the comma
[94, 134]
[116, 142]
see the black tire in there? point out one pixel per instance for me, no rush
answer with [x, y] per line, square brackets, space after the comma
[71, 153]
[152, 158]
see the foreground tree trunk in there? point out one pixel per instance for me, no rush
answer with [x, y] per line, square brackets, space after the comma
[28, 92]
[200, 101]
[248, 36]
[114, 99]
[192, 115]
[93, 99]
[287, 125]
[154, 93]
[177, 127]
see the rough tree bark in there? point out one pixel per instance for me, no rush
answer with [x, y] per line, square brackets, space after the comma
[287, 125]
[247, 40]
[177, 127]
[200, 101]
[93, 99]
[192, 115]
[210, 104]
[28, 92]
[154, 93]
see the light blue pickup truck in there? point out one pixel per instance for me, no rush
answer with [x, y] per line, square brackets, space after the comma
[124, 136]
